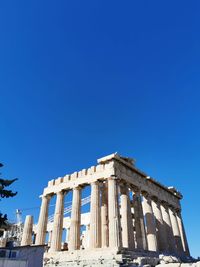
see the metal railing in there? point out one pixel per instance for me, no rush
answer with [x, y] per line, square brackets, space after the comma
[68, 209]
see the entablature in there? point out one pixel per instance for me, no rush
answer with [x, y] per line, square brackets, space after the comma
[120, 167]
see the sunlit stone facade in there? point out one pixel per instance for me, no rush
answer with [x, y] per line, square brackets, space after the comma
[129, 211]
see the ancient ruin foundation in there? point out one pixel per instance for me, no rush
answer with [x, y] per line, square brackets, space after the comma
[129, 213]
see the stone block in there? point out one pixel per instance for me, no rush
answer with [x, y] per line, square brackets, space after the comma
[188, 265]
[51, 183]
[99, 168]
[168, 259]
[66, 178]
[84, 172]
[91, 170]
[74, 175]
[169, 265]
[58, 180]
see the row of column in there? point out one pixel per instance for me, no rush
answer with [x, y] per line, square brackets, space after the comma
[164, 227]
[50, 233]
[157, 227]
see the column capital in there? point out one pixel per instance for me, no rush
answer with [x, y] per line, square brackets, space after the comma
[102, 183]
[135, 189]
[113, 177]
[122, 183]
[96, 182]
[78, 187]
[145, 194]
[172, 208]
[47, 196]
[123, 187]
[165, 204]
[156, 200]
[178, 211]
[61, 192]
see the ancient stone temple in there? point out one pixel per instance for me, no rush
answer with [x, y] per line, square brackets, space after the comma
[131, 215]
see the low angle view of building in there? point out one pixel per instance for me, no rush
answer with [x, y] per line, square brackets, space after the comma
[80, 80]
[132, 216]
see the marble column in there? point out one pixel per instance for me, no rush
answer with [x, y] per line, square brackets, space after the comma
[168, 227]
[150, 223]
[126, 219]
[104, 215]
[58, 222]
[115, 240]
[42, 222]
[176, 231]
[161, 230]
[95, 216]
[141, 239]
[182, 233]
[27, 231]
[74, 234]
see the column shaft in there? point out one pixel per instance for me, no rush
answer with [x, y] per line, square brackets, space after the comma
[104, 215]
[95, 216]
[42, 222]
[74, 232]
[168, 228]
[113, 214]
[27, 231]
[141, 239]
[176, 231]
[161, 230]
[58, 223]
[150, 223]
[126, 219]
[182, 233]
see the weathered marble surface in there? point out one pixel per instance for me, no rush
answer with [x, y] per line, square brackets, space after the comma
[130, 214]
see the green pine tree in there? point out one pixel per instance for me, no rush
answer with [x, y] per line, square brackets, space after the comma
[4, 193]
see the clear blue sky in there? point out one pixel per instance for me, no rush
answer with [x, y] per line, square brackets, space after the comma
[82, 79]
